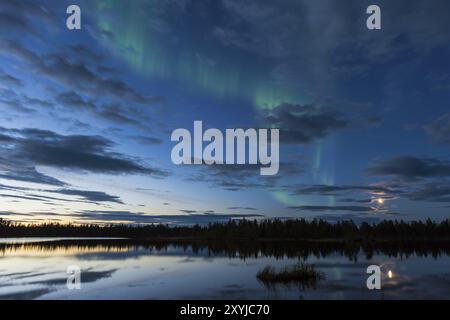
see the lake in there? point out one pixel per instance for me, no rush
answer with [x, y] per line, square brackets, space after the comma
[127, 269]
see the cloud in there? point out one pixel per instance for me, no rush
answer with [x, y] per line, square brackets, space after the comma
[26, 174]
[92, 196]
[236, 177]
[84, 82]
[13, 22]
[147, 140]
[434, 192]
[60, 69]
[233, 177]
[22, 102]
[75, 75]
[115, 113]
[79, 152]
[34, 197]
[31, 101]
[85, 195]
[409, 184]
[13, 101]
[416, 179]
[9, 80]
[338, 43]
[11, 213]
[330, 190]
[73, 99]
[139, 217]
[26, 11]
[368, 200]
[188, 211]
[408, 167]
[304, 124]
[83, 54]
[439, 129]
[333, 208]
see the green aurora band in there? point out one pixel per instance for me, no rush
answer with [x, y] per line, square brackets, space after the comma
[193, 59]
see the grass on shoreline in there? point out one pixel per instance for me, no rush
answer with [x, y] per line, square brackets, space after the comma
[300, 273]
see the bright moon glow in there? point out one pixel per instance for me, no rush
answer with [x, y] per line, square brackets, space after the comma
[380, 201]
[390, 275]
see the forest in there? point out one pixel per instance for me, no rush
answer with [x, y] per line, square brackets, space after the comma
[270, 229]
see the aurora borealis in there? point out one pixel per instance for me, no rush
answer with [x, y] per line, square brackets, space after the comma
[87, 114]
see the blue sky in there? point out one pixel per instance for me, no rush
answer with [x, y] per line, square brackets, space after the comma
[87, 114]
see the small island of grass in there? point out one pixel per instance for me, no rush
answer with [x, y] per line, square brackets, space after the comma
[301, 273]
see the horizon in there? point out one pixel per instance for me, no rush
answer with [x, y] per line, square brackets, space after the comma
[177, 221]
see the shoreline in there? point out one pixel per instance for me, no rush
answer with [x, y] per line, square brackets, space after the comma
[212, 240]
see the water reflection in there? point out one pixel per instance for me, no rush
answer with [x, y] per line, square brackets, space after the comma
[242, 250]
[128, 269]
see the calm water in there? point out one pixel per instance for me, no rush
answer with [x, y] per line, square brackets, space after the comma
[123, 269]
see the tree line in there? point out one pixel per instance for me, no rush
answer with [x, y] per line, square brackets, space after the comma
[271, 229]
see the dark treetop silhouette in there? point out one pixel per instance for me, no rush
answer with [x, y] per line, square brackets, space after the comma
[299, 229]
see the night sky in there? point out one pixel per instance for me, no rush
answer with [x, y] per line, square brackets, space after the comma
[86, 115]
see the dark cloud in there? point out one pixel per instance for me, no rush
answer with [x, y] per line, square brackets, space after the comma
[304, 124]
[138, 217]
[79, 70]
[13, 22]
[280, 32]
[88, 153]
[73, 74]
[235, 177]
[329, 190]
[241, 208]
[11, 213]
[147, 140]
[408, 168]
[238, 177]
[92, 196]
[29, 101]
[73, 99]
[188, 211]
[15, 50]
[13, 101]
[112, 112]
[85, 195]
[333, 208]
[367, 200]
[439, 129]
[409, 184]
[9, 80]
[81, 53]
[434, 192]
[21, 102]
[27, 11]
[84, 84]
[26, 174]
[34, 197]
[115, 113]
[370, 200]
[60, 69]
